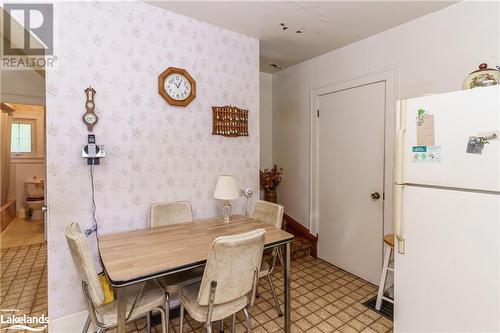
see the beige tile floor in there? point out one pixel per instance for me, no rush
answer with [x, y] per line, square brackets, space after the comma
[21, 232]
[23, 281]
[324, 297]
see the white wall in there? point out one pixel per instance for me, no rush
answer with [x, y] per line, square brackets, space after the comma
[266, 120]
[266, 123]
[154, 152]
[432, 54]
[22, 86]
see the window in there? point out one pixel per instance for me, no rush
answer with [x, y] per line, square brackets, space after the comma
[21, 137]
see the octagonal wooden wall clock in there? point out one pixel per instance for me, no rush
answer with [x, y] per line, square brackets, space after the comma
[177, 86]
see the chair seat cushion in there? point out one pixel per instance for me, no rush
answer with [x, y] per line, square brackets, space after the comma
[188, 296]
[173, 282]
[152, 297]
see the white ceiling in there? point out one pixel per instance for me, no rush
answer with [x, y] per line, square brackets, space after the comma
[325, 25]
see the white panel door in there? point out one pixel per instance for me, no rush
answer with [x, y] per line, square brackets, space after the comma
[448, 278]
[351, 168]
[457, 116]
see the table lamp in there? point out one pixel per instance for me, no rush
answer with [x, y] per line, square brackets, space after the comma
[226, 189]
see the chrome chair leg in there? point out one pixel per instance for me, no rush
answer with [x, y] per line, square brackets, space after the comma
[87, 325]
[167, 312]
[280, 256]
[247, 320]
[164, 323]
[233, 325]
[273, 291]
[181, 318]
[148, 322]
[221, 328]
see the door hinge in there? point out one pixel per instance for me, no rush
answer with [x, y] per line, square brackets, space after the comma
[317, 113]
[383, 196]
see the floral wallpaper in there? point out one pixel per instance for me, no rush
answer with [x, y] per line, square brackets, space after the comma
[154, 152]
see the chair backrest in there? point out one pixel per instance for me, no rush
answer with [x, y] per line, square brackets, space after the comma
[84, 262]
[233, 262]
[269, 212]
[170, 213]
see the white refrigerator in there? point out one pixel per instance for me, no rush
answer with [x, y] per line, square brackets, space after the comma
[447, 217]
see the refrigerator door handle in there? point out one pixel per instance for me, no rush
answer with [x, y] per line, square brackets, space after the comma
[400, 142]
[398, 217]
[399, 155]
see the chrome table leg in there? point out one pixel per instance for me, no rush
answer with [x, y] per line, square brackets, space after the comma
[148, 322]
[286, 282]
[121, 309]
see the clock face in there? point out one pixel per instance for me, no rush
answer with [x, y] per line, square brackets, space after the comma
[177, 86]
[90, 118]
[90, 104]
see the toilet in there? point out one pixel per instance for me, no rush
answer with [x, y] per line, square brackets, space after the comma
[34, 194]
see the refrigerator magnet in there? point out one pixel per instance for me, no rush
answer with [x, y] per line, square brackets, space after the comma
[426, 154]
[425, 128]
[475, 145]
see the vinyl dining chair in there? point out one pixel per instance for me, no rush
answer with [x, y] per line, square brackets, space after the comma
[272, 214]
[164, 214]
[141, 301]
[168, 213]
[229, 281]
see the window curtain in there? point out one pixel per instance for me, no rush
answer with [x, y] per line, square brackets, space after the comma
[5, 128]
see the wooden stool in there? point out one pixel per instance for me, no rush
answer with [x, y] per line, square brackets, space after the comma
[389, 246]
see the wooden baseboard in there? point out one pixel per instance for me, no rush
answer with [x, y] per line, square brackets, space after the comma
[297, 229]
[7, 214]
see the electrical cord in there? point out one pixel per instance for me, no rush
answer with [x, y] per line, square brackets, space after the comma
[94, 207]
[95, 225]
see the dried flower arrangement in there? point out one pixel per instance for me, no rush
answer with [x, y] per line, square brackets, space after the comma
[270, 179]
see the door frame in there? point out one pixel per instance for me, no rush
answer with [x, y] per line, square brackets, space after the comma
[390, 78]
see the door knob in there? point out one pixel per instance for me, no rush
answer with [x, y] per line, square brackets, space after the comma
[375, 195]
[44, 209]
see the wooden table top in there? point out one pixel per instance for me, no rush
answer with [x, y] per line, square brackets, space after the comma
[137, 255]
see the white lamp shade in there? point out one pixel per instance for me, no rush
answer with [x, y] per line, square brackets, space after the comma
[226, 188]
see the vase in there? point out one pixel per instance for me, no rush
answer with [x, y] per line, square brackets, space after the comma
[270, 196]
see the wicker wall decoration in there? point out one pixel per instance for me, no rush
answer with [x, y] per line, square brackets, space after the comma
[229, 121]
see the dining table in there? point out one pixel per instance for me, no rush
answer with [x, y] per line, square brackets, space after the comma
[137, 256]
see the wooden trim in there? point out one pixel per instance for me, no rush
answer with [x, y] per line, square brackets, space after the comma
[6, 108]
[297, 229]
